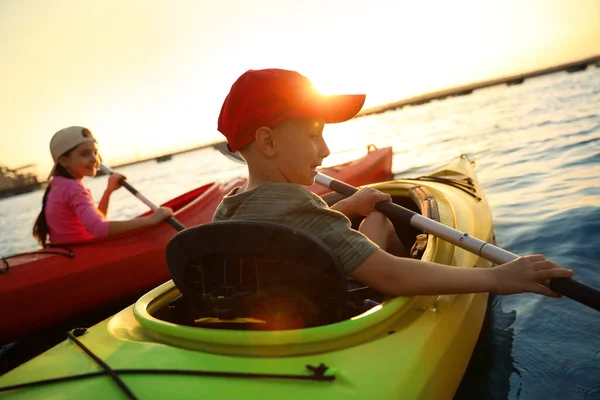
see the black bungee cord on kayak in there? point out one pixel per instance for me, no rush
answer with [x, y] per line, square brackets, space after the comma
[69, 254]
[467, 187]
[318, 373]
[115, 377]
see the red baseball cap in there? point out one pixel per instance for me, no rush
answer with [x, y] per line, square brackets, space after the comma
[267, 97]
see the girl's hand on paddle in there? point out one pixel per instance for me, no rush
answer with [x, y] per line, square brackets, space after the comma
[113, 182]
[527, 274]
[362, 202]
[161, 214]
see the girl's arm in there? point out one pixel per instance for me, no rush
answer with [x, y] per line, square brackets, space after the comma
[118, 227]
[103, 205]
[98, 226]
[113, 184]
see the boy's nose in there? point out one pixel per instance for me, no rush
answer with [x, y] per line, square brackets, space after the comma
[324, 150]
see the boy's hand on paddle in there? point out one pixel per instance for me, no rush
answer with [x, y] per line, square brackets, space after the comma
[113, 182]
[363, 202]
[161, 214]
[526, 274]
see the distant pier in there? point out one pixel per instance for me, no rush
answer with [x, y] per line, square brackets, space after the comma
[13, 182]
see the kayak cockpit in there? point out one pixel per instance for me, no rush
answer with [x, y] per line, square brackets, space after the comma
[259, 276]
[271, 290]
[247, 275]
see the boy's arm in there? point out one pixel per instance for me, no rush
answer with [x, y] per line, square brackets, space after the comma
[361, 202]
[343, 207]
[406, 276]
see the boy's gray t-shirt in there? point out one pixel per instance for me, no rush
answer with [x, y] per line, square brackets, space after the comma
[293, 205]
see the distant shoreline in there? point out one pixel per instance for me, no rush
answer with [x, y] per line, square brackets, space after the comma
[160, 158]
[463, 90]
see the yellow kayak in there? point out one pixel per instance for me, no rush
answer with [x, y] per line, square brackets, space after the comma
[404, 347]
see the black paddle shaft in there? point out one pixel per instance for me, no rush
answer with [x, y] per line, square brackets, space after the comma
[170, 220]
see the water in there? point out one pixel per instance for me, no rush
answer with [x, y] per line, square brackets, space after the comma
[537, 149]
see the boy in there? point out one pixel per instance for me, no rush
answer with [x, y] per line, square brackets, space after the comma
[275, 119]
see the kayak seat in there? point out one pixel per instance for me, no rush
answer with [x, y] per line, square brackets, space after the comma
[272, 276]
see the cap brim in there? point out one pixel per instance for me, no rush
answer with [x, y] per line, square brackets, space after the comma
[336, 108]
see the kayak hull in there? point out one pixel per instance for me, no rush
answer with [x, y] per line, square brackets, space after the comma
[406, 348]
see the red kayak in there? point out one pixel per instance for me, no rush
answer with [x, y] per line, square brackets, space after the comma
[47, 287]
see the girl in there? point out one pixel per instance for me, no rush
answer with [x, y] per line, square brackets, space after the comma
[68, 211]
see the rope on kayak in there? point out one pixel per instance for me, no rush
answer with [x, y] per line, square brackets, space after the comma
[465, 187]
[466, 182]
[53, 380]
[80, 331]
[68, 254]
[178, 372]
[318, 373]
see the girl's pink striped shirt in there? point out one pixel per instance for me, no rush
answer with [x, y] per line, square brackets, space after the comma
[71, 213]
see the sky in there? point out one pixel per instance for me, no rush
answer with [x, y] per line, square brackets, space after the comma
[148, 77]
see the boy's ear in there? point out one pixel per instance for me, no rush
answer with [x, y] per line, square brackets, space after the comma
[264, 141]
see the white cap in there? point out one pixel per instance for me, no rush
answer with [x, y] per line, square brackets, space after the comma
[66, 139]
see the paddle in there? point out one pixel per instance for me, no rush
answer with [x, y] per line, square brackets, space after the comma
[171, 220]
[566, 286]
